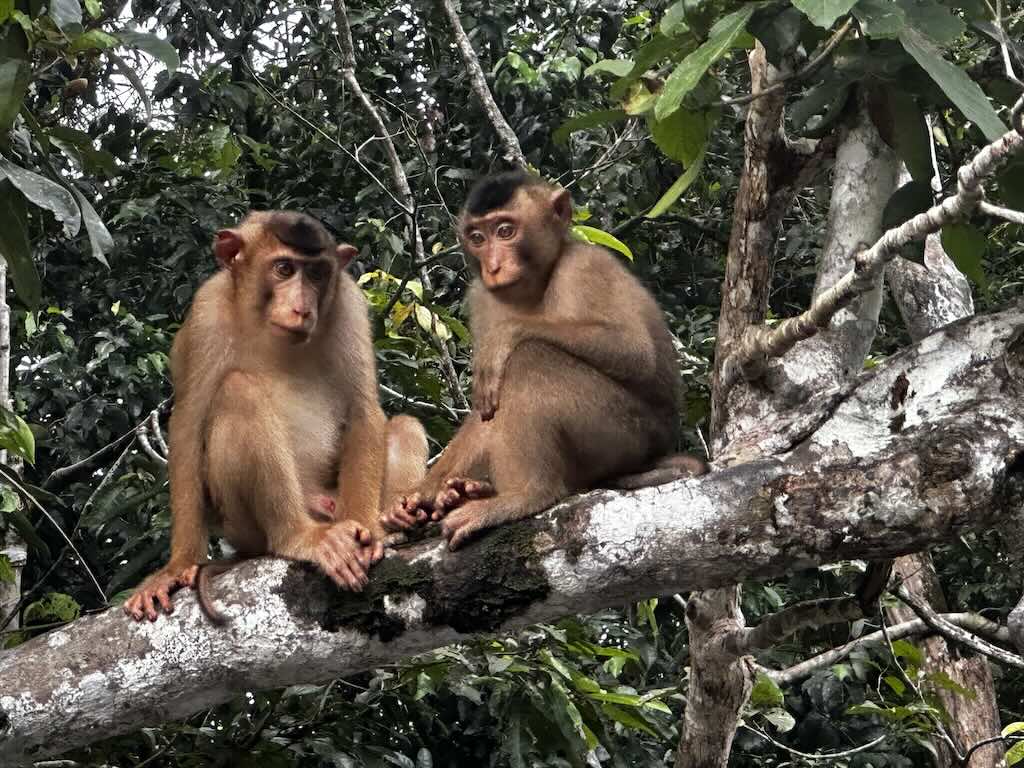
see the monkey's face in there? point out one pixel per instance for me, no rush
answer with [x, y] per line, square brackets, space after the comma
[295, 290]
[516, 245]
[281, 289]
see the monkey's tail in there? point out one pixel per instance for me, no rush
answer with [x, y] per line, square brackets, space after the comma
[206, 572]
[665, 470]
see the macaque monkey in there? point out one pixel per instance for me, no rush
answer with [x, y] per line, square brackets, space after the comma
[575, 379]
[277, 436]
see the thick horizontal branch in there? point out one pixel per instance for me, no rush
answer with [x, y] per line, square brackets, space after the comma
[782, 624]
[748, 360]
[921, 448]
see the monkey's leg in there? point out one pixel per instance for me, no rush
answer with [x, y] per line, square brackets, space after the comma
[465, 456]
[407, 457]
[254, 482]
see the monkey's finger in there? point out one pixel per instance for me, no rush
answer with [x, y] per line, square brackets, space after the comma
[378, 552]
[357, 574]
[362, 535]
[150, 606]
[163, 596]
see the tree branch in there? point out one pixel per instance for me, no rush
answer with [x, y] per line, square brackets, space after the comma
[507, 137]
[971, 622]
[760, 343]
[856, 488]
[782, 624]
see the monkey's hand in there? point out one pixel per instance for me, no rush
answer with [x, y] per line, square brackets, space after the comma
[464, 524]
[456, 492]
[489, 371]
[407, 512]
[345, 553]
[157, 589]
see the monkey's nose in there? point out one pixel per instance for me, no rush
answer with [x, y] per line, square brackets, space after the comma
[303, 313]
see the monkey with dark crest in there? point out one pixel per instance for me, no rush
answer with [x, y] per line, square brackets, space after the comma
[277, 436]
[575, 378]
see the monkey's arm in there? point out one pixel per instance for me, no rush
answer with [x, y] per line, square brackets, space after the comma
[361, 474]
[619, 350]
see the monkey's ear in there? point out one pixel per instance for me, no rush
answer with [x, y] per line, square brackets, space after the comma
[345, 254]
[561, 205]
[227, 244]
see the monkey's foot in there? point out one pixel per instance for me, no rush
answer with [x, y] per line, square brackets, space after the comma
[456, 492]
[322, 508]
[157, 590]
[346, 552]
[407, 512]
[464, 524]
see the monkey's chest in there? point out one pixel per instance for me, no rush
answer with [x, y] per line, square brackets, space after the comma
[314, 428]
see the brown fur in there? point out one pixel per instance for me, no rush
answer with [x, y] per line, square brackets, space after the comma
[276, 409]
[575, 375]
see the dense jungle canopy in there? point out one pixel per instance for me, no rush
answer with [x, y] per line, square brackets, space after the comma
[736, 156]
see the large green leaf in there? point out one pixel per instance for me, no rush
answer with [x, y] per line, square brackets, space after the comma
[955, 83]
[156, 47]
[909, 134]
[93, 39]
[16, 437]
[691, 69]
[912, 198]
[824, 12]
[588, 120]
[681, 185]
[14, 246]
[617, 67]
[880, 18]
[766, 694]
[44, 193]
[600, 237]
[933, 20]
[683, 134]
[6, 9]
[630, 718]
[99, 237]
[965, 246]
[14, 79]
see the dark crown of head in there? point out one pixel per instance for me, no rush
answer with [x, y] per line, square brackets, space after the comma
[492, 192]
[301, 232]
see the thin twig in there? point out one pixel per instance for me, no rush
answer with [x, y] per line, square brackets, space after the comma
[801, 73]
[1016, 217]
[819, 755]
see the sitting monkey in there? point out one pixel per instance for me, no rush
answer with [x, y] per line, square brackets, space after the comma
[277, 436]
[575, 379]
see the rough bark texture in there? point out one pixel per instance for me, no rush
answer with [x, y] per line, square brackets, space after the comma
[929, 297]
[922, 447]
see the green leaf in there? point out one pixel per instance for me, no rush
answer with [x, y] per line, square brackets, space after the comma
[897, 685]
[99, 238]
[14, 245]
[617, 67]
[676, 190]
[826, 99]
[778, 32]
[632, 719]
[65, 13]
[659, 47]
[15, 436]
[766, 693]
[93, 39]
[910, 137]
[6, 570]
[674, 20]
[683, 134]
[933, 20]
[1011, 184]
[955, 83]
[781, 719]
[880, 18]
[6, 9]
[159, 49]
[965, 246]
[14, 79]
[912, 198]
[1013, 728]
[824, 13]
[44, 193]
[56, 606]
[1015, 754]
[587, 120]
[903, 649]
[600, 237]
[691, 69]
[94, 8]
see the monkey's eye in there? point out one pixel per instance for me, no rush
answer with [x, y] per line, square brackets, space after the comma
[284, 268]
[317, 272]
[476, 237]
[506, 230]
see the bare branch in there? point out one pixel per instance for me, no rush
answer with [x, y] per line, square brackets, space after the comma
[781, 624]
[816, 755]
[952, 632]
[507, 137]
[1015, 217]
[1015, 623]
[971, 622]
[760, 343]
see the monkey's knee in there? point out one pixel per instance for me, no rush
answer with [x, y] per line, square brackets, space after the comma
[407, 439]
